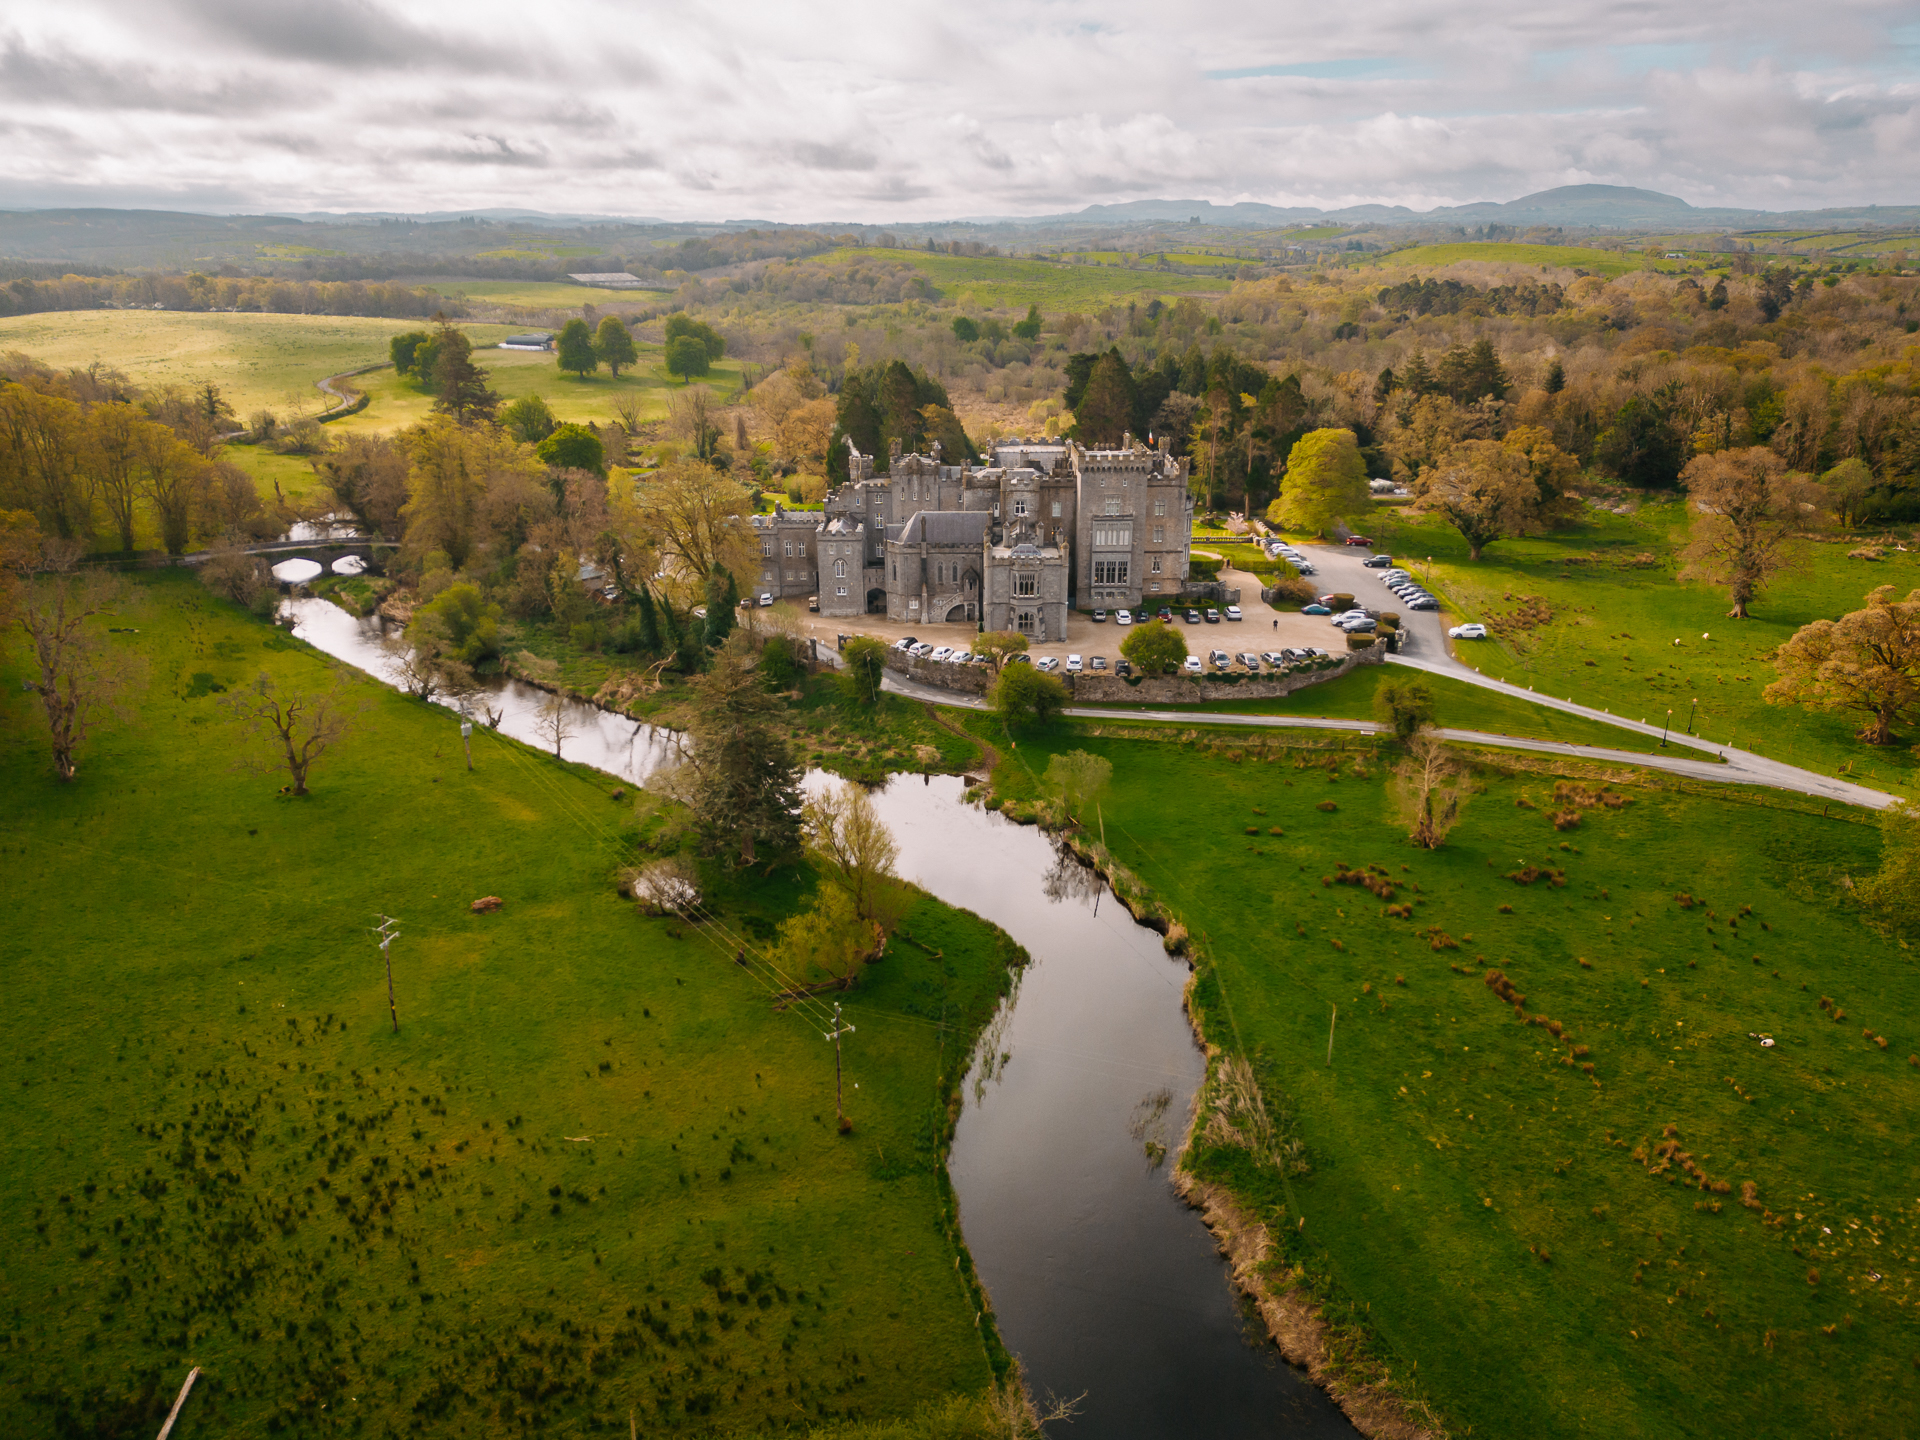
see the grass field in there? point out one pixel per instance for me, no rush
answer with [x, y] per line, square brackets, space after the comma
[1600, 262]
[595, 1172]
[1505, 1225]
[292, 472]
[258, 361]
[540, 294]
[1605, 612]
[396, 402]
[1457, 705]
[989, 282]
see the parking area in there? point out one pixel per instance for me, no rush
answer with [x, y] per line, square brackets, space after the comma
[1260, 628]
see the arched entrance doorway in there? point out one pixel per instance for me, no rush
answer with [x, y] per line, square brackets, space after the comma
[876, 602]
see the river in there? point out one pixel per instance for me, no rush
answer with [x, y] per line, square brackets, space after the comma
[1103, 1281]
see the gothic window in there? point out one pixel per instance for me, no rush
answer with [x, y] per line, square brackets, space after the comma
[1113, 507]
[1109, 572]
[839, 569]
[1020, 506]
[1056, 509]
[1026, 585]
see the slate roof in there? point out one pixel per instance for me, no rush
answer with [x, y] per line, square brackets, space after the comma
[945, 527]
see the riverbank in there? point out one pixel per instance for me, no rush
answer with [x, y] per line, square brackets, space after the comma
[1472, 1189]
[594, 1173]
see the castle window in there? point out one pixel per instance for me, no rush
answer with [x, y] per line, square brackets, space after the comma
[1113, 507]
[1109, 572]
[1056, 509]
[839, 569]
[1160, 506]
[840, 590]
[1156, 564]
[1020, 506]
[1026, 584]
[1159, 534]
[789, 549]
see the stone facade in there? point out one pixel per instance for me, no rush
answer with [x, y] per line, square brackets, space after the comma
[789, 565]
[1045, 527]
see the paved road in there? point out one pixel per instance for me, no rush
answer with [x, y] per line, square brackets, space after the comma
[1738, 768]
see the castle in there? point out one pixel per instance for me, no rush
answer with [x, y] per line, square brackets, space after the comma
[1043, 528]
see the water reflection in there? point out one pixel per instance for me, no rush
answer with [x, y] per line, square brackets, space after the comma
[320, 528]
[1070, 878]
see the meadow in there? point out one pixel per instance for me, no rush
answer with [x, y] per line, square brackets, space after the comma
[1597, 612]
[594, 1175]
[1611, 1210]
[991, 282]
[395, 402]
[540, 294]
[258, 361]
[1560, 257]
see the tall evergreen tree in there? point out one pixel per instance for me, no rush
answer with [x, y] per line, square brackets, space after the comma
[744, 788]
[575, 348]
[459, 385]
[723, 597]
[1105, 411]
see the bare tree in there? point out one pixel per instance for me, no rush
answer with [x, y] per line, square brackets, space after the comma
[553, 723]
[1749, 516]
[291, 728]
[847, 839]
[421, 661]
[1486, 492]
[668, 886]
[79, 677]
[1430, 790]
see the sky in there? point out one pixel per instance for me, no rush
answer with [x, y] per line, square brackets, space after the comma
[903, 111]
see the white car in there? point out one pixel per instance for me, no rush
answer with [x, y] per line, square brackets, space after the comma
[1047, 664]
[921, 651]
[961, 657]
[1074, 665]
[1191, 665]
[1123, 617]
[945, 652]
[1233, 612]
[766, 598]
[1475, 631]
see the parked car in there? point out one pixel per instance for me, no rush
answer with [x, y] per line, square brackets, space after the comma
[1193, 617]
[1233, 612]
[1073, 665]
[1423, 602]
[766, 598]
[1213, 616]
[1165, 616]
[921, 651]
[1099, 617]
[1123, 667]
[1358, 540]
[1047, 664]
[1099, 662]
[813, 604]
[1274, 658]
[1123, 617]
[1315, 609]
[1019, 659]
[1191, 665]
[1219, 659]
[945, 652]
[1378, 562]
[960, 657]
[1474, 631]
[1365, 625]
[905, 642]
[1303, 567]
[1249, 659]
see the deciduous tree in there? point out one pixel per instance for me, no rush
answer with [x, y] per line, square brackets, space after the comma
[1326, 480]
[528, 419]
[574, 349]
[1078, 778]
[846, 838]
[78, 674]
[1430, 790]
[1155, 648]
[996, 645]
[613, 343]
[1026, 696]
[865, 661]
[1867, 661]
[1486, 492]
[573, 447]
[290, 728]
[1404, 706]
[698, 517]
[1750, 515]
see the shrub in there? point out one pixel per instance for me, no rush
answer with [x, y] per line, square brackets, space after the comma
[1326, 805]
[1359, 642]
[1565, 819]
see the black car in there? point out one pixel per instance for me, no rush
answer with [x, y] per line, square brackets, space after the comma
[1378, 562]
[1123, 667]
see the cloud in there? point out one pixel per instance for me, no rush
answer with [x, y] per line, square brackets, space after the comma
[870, 109]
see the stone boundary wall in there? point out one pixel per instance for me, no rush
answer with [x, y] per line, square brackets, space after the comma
[1186, 690]
[1090, 689]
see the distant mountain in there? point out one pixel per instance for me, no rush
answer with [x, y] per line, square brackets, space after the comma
[1619, 207]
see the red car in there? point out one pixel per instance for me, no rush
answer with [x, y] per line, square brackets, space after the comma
[1358, 540]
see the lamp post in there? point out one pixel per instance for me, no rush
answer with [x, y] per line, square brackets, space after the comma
[1693, 712]
[1666, 727]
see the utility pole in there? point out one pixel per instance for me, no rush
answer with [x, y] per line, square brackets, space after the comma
[839, 1097]
[466, 736]
[388, 935]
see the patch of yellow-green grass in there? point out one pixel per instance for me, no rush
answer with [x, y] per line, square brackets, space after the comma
[539, 294]
[1600, 262]
[293, 474]
[1316, 232]
[395, 402]
[997, 282]
[258, 361]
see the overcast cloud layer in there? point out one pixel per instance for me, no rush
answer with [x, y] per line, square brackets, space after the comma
[901, 111]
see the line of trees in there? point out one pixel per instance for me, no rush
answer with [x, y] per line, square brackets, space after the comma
[262, 293]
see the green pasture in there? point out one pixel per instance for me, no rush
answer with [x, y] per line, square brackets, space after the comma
[258, 361]
[1457, 705]
[541, 294]
[293, 473]
[1315, 232]
[1602, 262]
[1498, 1220]
[1595, 612]
[992, 282]
[396, 401]
[595, 1175]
